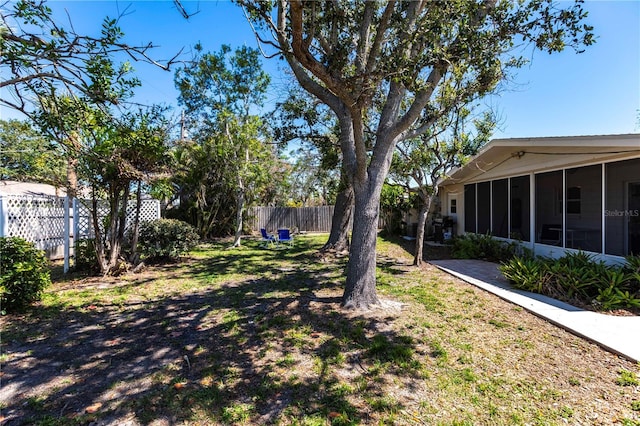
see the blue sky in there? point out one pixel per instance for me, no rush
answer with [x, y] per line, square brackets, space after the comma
[596, 92]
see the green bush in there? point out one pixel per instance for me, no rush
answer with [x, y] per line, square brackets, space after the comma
[85, 255]
[632, 267]
[525, 274]
[166, 238]
[578, 276]
[24, 273]
[484, 246]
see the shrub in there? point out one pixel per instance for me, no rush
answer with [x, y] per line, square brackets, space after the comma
[577, 276]
[525, 274]
[166, 238]
[85, 255]
[484, 246]
[24, 273]
[632, 267]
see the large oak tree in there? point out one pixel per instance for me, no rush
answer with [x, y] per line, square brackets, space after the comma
[309, 121]
[378, 65]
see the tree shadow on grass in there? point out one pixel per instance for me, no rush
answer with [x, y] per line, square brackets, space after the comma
[430, 251]
[254, 351]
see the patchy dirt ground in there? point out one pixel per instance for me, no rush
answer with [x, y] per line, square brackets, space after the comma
[276, 347]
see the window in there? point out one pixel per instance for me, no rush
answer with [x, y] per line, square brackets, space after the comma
[484, 207]
[520, 208]
[470, 208]
[584, 208]
[549, 208]
[453, 206]
[622, 208]
[573, 200]
[500, 208]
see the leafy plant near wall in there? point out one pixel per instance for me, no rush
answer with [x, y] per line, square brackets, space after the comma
[484, 246]
[85, 255]
[24, 273]
[578, 277]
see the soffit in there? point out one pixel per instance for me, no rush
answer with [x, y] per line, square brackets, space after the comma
[510, 157]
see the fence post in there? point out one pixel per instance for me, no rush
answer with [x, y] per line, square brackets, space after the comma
[3, 217]
[76, 221]
[67, 234]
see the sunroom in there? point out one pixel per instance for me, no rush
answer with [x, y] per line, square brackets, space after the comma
[553, 194]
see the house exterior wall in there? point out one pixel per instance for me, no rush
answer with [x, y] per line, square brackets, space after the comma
[602, 180]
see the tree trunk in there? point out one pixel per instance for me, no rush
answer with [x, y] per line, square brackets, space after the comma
[98, 242]
[133, 257]
[72, 166]
[118, 221]
[339, 236]
[72, 178]
[360, 288]
[427, 202]
[239, 211]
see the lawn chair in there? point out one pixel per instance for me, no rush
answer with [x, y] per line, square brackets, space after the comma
[267, 239]
[285, 237]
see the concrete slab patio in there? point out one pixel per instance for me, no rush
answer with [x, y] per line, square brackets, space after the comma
[618, 334]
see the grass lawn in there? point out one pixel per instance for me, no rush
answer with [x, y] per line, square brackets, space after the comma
[257, 336]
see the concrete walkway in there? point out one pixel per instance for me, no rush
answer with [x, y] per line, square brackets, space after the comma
[620, 335]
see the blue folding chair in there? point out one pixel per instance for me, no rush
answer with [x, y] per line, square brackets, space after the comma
[285, 237]
[267, 239]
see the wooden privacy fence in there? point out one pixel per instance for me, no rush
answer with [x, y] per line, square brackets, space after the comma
[303, 219]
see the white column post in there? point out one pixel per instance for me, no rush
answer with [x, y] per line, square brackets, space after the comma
[3, 217]
[67, 234]
[532, 210]
[76, 222]
[603, 232]
[564, 208]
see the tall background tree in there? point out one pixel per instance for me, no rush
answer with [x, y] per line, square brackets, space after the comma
[314, 127]
[72, 87]
[28, 155]
[221, 93]
[116, 151]
[420, 163]
[46, 59]
[378, 65]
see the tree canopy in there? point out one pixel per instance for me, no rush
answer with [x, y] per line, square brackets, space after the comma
[231, 159]
[27, 155]
[419, 164]
[44, 56]
[378, 65]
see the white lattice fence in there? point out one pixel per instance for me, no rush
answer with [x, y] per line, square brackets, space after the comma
[149, 210]
[37, 219]
[40, 219]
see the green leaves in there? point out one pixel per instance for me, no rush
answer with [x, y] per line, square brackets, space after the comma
[26, 155]
[229, 162]
[166, 238]
[577, 275]
[525, 273]
[42, 58]
[219, 81]
[24, 273]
